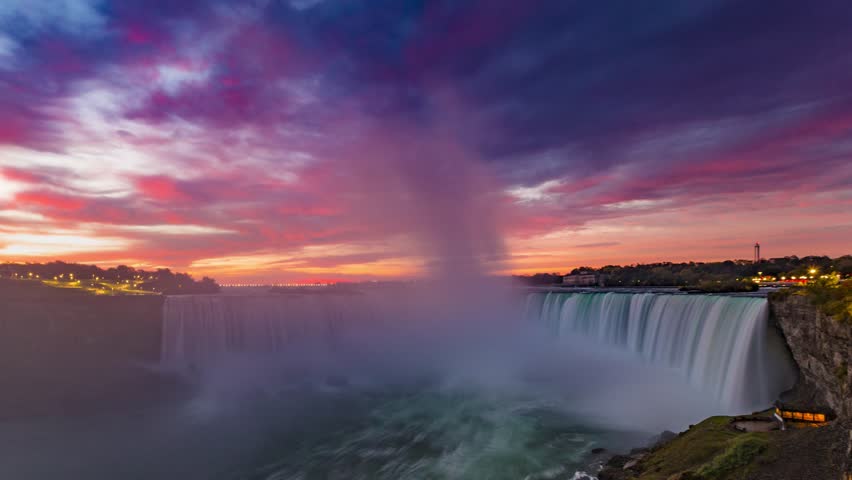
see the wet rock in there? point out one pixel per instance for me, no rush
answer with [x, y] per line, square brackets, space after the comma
[620, 467]
[618, 461]
[578, 476]
[598, 450]
[615, 474]
[664, 438]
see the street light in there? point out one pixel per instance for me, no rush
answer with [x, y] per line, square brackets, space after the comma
[812, 271]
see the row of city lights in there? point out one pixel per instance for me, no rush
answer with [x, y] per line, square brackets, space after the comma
[72, 281]
[812, 272]
[277, 284]
[71, 276]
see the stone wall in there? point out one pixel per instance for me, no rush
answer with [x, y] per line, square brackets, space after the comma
[822, 348]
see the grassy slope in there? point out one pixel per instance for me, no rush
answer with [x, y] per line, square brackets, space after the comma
[711, 448]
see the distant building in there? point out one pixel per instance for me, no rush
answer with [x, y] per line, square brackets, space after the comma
[756, 252]
[584, 278]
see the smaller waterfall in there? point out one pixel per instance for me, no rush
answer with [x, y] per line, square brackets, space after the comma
[203, 329]
[722, 344]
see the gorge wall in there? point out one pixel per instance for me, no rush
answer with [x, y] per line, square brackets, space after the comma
[822, 348]
[66, 352]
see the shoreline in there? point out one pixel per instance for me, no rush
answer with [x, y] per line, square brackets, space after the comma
[714, 449]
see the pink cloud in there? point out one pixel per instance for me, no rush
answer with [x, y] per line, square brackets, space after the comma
[47, 200]
[11, 131]
[139, 34]
[382, 158]
[20, 175]
[161, 189]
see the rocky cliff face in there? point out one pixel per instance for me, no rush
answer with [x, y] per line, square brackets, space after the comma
[822, 347]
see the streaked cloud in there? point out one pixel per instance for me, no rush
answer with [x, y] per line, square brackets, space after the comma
[57, 245]
[292, 139]
[79, 17]
[165, 229]
[7, 52]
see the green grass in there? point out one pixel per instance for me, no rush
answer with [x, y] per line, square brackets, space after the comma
[100, 287]
[740, 452]
[711, 450]
[52, 288]
[832, 297]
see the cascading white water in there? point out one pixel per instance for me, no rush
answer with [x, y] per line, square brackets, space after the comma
[200, 330]
[466, 388]
[722, 344]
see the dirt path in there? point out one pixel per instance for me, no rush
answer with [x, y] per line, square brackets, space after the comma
[809, 453]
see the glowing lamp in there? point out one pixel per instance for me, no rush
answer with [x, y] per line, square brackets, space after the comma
[802, 416]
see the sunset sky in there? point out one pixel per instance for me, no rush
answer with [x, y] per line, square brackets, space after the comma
[352, 139]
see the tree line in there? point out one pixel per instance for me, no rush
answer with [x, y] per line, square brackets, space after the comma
[161, 280]
[698, 273]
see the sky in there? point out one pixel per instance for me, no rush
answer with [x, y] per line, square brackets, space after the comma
[289, 140]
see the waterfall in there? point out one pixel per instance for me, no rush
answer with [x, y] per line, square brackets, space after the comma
[200, 330]
[721, 344]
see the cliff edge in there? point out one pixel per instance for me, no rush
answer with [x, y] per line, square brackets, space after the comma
[65, 352]
[822, 348]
